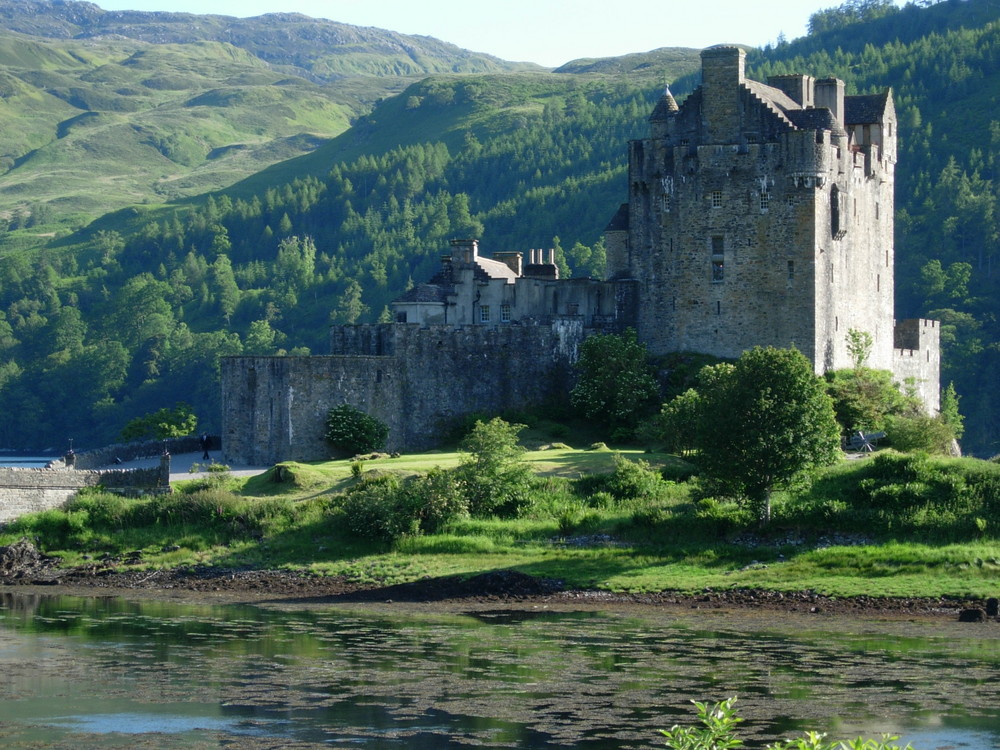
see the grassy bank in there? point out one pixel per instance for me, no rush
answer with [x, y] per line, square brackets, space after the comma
[890, 525]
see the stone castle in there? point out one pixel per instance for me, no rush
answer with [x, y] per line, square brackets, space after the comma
[757, 214]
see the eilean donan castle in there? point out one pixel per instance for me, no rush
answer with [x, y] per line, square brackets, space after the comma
[757, 214]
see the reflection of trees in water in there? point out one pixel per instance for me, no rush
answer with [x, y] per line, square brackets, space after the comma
[501, 676]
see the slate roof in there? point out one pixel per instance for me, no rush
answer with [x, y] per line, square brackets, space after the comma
[493, 269]
[819, 118]
[619, 222]
[865, 109]
[425, 293]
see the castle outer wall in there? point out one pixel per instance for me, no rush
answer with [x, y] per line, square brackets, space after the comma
[418, 380]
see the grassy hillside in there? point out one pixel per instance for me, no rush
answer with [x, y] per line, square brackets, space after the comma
[162, 106]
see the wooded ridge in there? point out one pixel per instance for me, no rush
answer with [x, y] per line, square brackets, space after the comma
[102, 321]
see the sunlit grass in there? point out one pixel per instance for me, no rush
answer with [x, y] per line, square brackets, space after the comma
[291, 517]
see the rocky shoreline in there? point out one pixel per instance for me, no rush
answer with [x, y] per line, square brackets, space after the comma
[22, 565]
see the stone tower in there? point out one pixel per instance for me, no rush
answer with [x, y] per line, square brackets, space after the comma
[763, 215]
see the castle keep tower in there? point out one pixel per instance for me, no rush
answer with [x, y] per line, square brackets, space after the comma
[763, 215]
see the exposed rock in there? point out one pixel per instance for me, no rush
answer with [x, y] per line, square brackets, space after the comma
[972, 614]
[19, 558]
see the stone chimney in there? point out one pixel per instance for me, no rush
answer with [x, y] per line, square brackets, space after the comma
[464, 252]
[513, 260]
[722, 75]
[830, 94]
[799, 88]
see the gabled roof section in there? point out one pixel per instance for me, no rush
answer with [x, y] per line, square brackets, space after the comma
[493, 269]
[819, 118]
[619, 222]
[776, 100]
[425, 294]
[865, 109]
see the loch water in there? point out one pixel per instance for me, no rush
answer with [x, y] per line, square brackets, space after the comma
[108, 672]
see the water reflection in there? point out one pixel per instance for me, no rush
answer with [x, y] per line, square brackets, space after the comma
[96, 672]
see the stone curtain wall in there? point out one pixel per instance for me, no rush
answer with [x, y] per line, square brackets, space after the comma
[422, 383]
[34, 490]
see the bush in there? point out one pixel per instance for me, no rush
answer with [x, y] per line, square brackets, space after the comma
[386, 508]
[492, 475]
[378, 509]
[437, 499]
[633, 480]
[350, 431]
[919, 433]
[718, 732]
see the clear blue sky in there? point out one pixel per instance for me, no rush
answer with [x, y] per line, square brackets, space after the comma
[547, 32]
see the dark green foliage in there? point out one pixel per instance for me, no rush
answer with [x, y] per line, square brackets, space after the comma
[351, 432]
[615, 385]
[162, 424]
[378, 508]
[863, 399]
[919, 433]
[492, 476]
[764, 422]
[904, 495]
[386, 507]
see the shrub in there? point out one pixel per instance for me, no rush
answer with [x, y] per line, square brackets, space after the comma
[718, 732]
[350, 431]
[378, 509]
[386, 508]
[437, 499]
[632, 480]
[919, 433]
[492, 475]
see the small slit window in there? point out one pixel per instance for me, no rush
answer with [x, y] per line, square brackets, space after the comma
[718, 260]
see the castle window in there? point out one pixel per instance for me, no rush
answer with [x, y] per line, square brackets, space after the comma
[716, 199]
[505, 313]
[401, 317]
[837, 231]
[718, 259]
[765, 202]
[484, 314]
[666, 201]
[791, 270]
[751, 139]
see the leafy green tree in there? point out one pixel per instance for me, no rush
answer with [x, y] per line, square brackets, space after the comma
[350, 431]
[859, 346]
[350, 307]
[615, 386]
[766, 421]
[950, 413]
[162, 424]
[492, 474]
[863, 398]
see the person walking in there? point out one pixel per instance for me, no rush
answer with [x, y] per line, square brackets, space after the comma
[204, 445]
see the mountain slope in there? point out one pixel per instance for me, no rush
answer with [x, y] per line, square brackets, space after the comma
[297, 44]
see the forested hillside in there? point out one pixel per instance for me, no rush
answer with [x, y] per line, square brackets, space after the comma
[133, 313]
